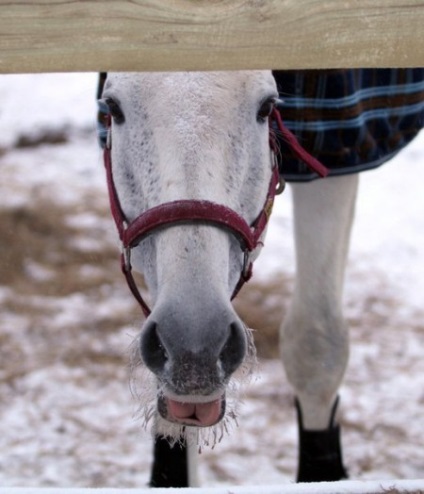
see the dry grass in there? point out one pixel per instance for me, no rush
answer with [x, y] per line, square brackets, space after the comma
[40, 236]
[40, 264]
[262, 307]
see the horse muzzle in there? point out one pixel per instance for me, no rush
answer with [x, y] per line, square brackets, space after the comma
[193, 355]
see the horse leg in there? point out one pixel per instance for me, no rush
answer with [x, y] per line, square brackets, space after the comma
[314, 336]
[174, 464]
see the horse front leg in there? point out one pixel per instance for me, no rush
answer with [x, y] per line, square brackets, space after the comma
[314, 335]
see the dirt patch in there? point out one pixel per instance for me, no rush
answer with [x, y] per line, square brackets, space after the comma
[40, 255]
[262, 307]
[42, 137]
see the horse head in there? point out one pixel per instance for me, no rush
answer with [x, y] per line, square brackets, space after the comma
[191, 141]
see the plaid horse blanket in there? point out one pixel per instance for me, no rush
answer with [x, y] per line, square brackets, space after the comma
[350, 120]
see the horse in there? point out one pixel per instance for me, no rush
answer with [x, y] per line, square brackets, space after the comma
[192, 173]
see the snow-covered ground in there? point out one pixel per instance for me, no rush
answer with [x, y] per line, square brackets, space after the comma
[67, 424]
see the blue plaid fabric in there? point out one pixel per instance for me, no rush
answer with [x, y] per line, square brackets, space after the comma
[350, 120]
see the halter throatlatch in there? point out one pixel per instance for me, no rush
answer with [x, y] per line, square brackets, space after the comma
[199, 211]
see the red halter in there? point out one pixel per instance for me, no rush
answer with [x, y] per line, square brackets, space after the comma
[199, 211]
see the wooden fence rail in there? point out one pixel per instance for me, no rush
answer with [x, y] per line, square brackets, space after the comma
[94, 35]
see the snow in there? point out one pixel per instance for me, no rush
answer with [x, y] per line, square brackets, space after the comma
[343, 487]
[65, 425]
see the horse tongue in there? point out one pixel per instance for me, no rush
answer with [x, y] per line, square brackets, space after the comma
[197, 414]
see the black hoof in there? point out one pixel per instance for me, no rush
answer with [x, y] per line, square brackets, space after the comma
[170, 467]
[320, 452]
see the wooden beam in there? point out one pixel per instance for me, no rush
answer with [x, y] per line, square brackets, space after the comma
[124, 35]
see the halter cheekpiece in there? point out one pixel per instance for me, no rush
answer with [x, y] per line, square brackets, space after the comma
[184, 211]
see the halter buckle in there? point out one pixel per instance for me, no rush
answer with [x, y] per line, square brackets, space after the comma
[126, 258]
[245, 271]
[281, 185]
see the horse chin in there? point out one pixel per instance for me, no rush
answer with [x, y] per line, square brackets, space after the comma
[192, 413]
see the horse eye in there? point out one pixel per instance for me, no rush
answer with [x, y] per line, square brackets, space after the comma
[115, 110]
[265, 110]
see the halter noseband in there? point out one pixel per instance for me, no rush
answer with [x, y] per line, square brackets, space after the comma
[199, 211]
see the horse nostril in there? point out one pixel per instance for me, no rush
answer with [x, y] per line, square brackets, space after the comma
[234, 350]
[153, 351]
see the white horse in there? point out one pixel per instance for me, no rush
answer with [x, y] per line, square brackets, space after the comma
[182, 140]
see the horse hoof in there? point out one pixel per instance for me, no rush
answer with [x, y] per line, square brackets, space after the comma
[320, 452]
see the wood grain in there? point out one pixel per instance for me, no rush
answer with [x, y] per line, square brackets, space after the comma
[94, 35]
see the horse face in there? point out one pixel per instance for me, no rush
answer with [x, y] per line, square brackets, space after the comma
[201, 136]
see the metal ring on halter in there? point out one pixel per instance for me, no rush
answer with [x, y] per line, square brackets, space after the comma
[126, 252]
[280, 186]
[246, 264]
[281, 182]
